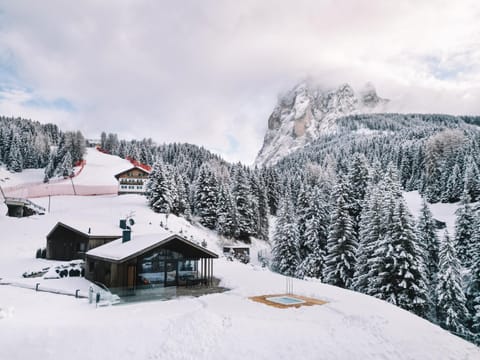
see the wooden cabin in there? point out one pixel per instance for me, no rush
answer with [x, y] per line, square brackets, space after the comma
[149, 261]
[66, 242]
[132, 181]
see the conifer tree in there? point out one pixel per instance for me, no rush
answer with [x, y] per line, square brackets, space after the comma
[454, 186]
[463, 231]
[357, 183]
[452, 313]
[285, 240]
[260, 199]
[181, 203]
[65, 168]
[159, 189]
[15, 158]
[206, 197]
[472, 180]
[341, 243]
[400, 280]
[303, 215]
[226, 223]
[429, 246]
[314, 237]
[473, 285]
[370, 232]
[245, 208]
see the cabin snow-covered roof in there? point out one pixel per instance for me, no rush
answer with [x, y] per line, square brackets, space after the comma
[90, 229]
[119, 251]
[130, 169]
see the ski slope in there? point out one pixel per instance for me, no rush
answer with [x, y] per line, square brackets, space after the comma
[95, 178]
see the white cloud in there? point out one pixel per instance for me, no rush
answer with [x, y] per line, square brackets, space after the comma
[202, 72]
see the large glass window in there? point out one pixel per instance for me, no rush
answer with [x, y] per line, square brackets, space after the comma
[152, 269]
[187, 269]
[164, 268]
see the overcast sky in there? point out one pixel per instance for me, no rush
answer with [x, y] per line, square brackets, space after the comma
[209, 72]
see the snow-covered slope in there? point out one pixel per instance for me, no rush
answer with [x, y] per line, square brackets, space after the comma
[307, 111]
[219, 326]
[96, 177]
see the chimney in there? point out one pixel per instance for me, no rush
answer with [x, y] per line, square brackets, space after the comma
[126, 235]
[123, 223]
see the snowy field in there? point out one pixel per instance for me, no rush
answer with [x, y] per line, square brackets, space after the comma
[41, 325]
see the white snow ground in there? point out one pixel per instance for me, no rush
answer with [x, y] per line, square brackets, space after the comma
[39, 325]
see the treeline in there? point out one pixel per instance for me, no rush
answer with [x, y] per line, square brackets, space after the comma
[231, 199]
[70, 151]
[438, 155]
[25, 144]
[362, 237]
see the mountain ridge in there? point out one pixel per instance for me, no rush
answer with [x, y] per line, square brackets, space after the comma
[307, 111]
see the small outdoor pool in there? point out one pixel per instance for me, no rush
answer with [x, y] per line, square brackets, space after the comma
[285, 300]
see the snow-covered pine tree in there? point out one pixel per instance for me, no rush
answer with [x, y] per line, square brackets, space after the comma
[341, 242]
[260, 200]
[472, 179]
[400, 280]
[242, 196]
[159, 189]
[464, 224]
[429, 246]
[226, 222]
[303, 215]
[271, 179]
[357, 183]
[15, 158]
[181, 205]
[452, 312]
[65, 168]
[454, 185]
[285, 240]
[314, 236]
[473, 285]
[370, 230]
[206, 197]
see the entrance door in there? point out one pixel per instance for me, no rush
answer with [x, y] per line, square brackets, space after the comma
[131, 276]
[171, 273]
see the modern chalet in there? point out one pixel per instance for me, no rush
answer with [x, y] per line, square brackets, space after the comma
[66, 242]
[149, 261]
[132, 181]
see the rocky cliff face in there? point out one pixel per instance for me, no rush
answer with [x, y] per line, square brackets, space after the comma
[307, 111]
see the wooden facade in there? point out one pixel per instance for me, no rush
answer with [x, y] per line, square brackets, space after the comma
[132, 181]
[67, 243]
[173, 261]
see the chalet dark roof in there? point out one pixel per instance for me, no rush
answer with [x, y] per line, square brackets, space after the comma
[118, 251]
[130, 169]
[95, 231]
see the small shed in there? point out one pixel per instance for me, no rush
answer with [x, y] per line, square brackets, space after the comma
[20, 207]
[241, 253]
[156, 260]
[65, 242]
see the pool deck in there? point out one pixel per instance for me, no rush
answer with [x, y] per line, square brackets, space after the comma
[306, 301]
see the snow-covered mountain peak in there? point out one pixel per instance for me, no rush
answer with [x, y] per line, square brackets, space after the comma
[307, 111]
